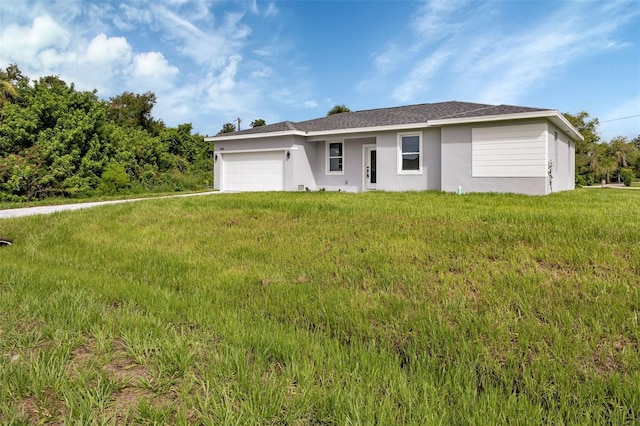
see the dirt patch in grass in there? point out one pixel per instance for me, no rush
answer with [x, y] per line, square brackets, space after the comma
[49, 411]
[83, 354]
[121, 366]
[556, 271]
[124, 367]
[605, 359]
[126, 401]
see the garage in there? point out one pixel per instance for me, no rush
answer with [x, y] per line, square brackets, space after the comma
[253, 171]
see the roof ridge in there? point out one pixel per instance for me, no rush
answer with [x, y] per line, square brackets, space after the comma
[407, 106]
[470, 111]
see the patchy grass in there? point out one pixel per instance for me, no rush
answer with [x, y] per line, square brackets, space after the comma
[325, 308]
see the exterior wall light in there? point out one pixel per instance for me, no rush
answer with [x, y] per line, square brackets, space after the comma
[215, 158]
[288, 154]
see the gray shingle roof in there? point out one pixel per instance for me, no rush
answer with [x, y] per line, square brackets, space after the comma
[409, 114]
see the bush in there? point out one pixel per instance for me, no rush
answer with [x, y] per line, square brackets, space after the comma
[114, 179]
[627, 176]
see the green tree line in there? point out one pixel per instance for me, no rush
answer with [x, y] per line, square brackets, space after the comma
[617, 160]
[56, 141]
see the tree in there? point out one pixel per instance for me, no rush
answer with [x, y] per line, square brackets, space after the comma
[602, 164]
[586, 157]
[13, 74]
[7, 92]
[57, 141]
[227, 128]
[623, 152]
[134, 110]
[338, 109]
[258, 122]
[11, 79]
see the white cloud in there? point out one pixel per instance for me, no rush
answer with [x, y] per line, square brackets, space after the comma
[207, 47]
[434, 19]
[151, 70]
[419, 80]
[221, 92]
[198, 56]
[262, 73]
[272, 10]
[103, 50]
[36, 45]
[514, 64]
[263, 53]
[472, 57]
[225, 81]
[128, 17]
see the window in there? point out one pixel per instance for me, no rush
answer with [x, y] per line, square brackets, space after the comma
[410, 153]
[335, 158]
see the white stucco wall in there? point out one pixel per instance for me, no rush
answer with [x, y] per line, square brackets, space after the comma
[562, 154]
[388, 177]
[351, 179]
[301, 160]
[457, 169]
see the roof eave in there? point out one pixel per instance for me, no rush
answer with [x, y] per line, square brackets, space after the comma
[235, 136]
[554, 115]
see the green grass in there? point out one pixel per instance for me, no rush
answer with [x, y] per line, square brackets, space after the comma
[325, 308]
[54, 201]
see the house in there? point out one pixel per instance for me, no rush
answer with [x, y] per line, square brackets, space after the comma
[447, 146]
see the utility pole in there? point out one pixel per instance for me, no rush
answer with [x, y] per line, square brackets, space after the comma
[238, 120]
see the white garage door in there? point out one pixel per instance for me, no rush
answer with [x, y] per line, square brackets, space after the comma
[253, 171]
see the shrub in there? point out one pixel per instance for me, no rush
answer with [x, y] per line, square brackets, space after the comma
[114, 179]
[627, 176]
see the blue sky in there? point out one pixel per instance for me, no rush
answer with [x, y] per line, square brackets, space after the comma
[210, 62]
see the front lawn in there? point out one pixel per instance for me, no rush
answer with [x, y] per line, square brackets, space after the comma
[325, 308]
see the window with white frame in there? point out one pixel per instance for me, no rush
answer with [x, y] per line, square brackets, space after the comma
[410, 153]
[335, 157]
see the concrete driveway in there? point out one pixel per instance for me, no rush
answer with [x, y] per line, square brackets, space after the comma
[30, 211]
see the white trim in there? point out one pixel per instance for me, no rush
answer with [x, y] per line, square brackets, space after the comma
[367, 148]
[420, 153]
[554, 115]
[234, 136]
[327, 157]
[318, 133]
[233, 151]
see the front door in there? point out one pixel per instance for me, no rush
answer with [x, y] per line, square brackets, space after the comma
[369, 167]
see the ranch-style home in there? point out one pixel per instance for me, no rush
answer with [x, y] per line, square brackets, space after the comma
[447, 146]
